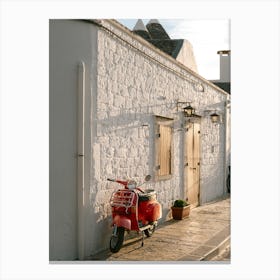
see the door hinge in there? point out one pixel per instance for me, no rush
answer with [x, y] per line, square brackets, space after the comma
[158, 167]
[158, 135]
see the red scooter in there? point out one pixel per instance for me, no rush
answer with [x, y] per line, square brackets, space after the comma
[133, 209]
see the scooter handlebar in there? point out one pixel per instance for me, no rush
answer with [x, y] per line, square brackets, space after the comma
[118, 181]
[111, 180]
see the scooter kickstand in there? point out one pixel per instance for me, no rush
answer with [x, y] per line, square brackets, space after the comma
[142, 244]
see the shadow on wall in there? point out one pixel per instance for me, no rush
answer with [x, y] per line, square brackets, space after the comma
[213, 187]
[132, 130]
[101, 227]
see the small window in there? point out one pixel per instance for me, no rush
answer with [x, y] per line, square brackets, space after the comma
[163, 148]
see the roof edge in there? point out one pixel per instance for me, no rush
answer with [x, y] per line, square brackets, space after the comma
[153, 48]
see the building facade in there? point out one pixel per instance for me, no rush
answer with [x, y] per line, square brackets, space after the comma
[116, 110]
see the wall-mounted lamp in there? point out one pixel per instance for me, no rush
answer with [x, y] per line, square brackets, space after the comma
[188, 110]
[215, 118]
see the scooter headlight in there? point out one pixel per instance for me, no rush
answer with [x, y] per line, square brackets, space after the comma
[131, 185]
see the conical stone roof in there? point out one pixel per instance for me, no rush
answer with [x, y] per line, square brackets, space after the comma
[141, 30]
[157, 32]
[153, 21]
[140, 25]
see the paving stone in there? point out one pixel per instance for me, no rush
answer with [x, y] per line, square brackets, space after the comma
[185, 240]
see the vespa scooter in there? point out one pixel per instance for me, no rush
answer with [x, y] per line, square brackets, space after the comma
[133, 209]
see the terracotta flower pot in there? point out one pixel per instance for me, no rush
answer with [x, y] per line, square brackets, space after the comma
[180, 213]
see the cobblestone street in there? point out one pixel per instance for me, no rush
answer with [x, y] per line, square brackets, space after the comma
[193, 239]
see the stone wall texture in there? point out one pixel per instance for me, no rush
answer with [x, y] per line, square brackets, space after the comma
[134, 83]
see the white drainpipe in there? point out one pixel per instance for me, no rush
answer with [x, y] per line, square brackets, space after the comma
[81, 157]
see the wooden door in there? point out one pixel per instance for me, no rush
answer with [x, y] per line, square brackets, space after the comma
[192, 163]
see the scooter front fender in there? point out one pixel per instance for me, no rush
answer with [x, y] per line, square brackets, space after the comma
[122, 221]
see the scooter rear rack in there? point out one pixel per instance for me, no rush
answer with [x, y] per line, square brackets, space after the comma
[122, 198]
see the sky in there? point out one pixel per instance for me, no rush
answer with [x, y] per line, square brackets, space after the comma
[206, 36]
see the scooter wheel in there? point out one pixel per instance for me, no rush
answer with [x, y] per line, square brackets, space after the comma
[116, 241]
[149, 231]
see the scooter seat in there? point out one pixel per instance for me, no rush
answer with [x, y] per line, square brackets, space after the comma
[147, 195]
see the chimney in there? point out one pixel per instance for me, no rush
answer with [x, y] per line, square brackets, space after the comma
[224, 66]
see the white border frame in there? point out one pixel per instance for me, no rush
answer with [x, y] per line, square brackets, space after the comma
[24, 137]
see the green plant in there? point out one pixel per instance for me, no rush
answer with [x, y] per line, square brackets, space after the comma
[180, 203]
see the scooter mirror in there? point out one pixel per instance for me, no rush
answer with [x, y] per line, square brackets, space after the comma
[148, 178]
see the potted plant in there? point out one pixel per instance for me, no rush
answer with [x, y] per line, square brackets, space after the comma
[180, 209]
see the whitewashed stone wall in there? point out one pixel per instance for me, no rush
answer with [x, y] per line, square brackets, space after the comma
[131, 89]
